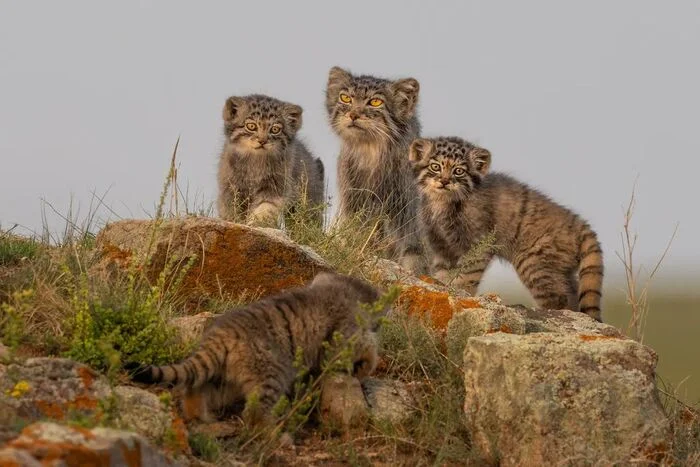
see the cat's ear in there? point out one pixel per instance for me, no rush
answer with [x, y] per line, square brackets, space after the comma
[337, 75]
[292, 113]
[419, 149]
[405, 93]
[233, 107]
[481, 159]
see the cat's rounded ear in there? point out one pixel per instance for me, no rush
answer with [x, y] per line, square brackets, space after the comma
[419, 149]
[405, 93]
[324, 278]
[232, 107]
[481, 158]
[337, 75]
[292, 113]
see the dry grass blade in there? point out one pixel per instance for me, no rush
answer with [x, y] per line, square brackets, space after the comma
[637, 299]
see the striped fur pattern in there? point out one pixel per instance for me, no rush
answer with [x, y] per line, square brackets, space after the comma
[250, 351]
[376, 121]
[555, 252]
[264, 169]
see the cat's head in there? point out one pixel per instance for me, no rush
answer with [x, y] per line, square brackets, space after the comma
[448, 167]
[365, 108]
[260, 124]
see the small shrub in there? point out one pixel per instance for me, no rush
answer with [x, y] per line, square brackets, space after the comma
[136, 327]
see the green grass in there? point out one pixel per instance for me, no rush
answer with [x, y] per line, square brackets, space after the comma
[14, 249]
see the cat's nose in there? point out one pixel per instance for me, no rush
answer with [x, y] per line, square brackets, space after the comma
[444, 181]
[262, 141]
[353, 116]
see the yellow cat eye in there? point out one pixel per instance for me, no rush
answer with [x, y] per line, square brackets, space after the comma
[250, 126]
[459, 171]
[435, 167]
[344, 98]
[376, 102]
[275, 129]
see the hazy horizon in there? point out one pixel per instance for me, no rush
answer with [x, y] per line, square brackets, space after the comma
[578, 100]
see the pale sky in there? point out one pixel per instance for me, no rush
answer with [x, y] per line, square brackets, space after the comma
[575, 98]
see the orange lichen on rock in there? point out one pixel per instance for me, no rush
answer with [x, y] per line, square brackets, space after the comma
[86, 376]
[51, 409]
[421, 302]
[427, 279]
[57, 411]
[469, 303]
[180, 442]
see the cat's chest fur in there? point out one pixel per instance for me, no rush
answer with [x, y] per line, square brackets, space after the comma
[460, 225]
[250, 172]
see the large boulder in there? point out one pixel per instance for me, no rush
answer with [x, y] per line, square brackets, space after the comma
[218, 257]
[64, 390]
[548, 398]
[48, 443]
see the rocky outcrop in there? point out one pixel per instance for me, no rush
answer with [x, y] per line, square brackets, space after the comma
[548, 398]
[218, 258]
[63, 390]
[53, 444]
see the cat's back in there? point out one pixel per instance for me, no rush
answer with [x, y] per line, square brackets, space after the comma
[307, 171]
[529, 211]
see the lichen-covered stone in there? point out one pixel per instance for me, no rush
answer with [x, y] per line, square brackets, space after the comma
[389, 400]
[478, 322]
[64, 390]
[342, 403]
[565, 321]
[54, 388]
[548, 398]
[222, 258]
[48, 443]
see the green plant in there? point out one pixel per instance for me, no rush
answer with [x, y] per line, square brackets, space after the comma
[14, 249]
[132, 328]
[205, 447]
[12, 318]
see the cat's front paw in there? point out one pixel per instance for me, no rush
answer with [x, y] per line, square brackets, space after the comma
[265, 215]
[413, 263]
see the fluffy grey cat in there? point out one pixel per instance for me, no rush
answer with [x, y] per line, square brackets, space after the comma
[264, 169]
[555, 253]
[376, 121]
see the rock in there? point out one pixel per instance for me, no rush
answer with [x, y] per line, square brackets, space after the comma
[342, 403]
[54, 388]
[192, 327]
[52, 444]
[222, 258]
[148, 415]
[478, 322]
[389, 400]
[566, 321]
[548, 398]
[17, 457]
[63, 390]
